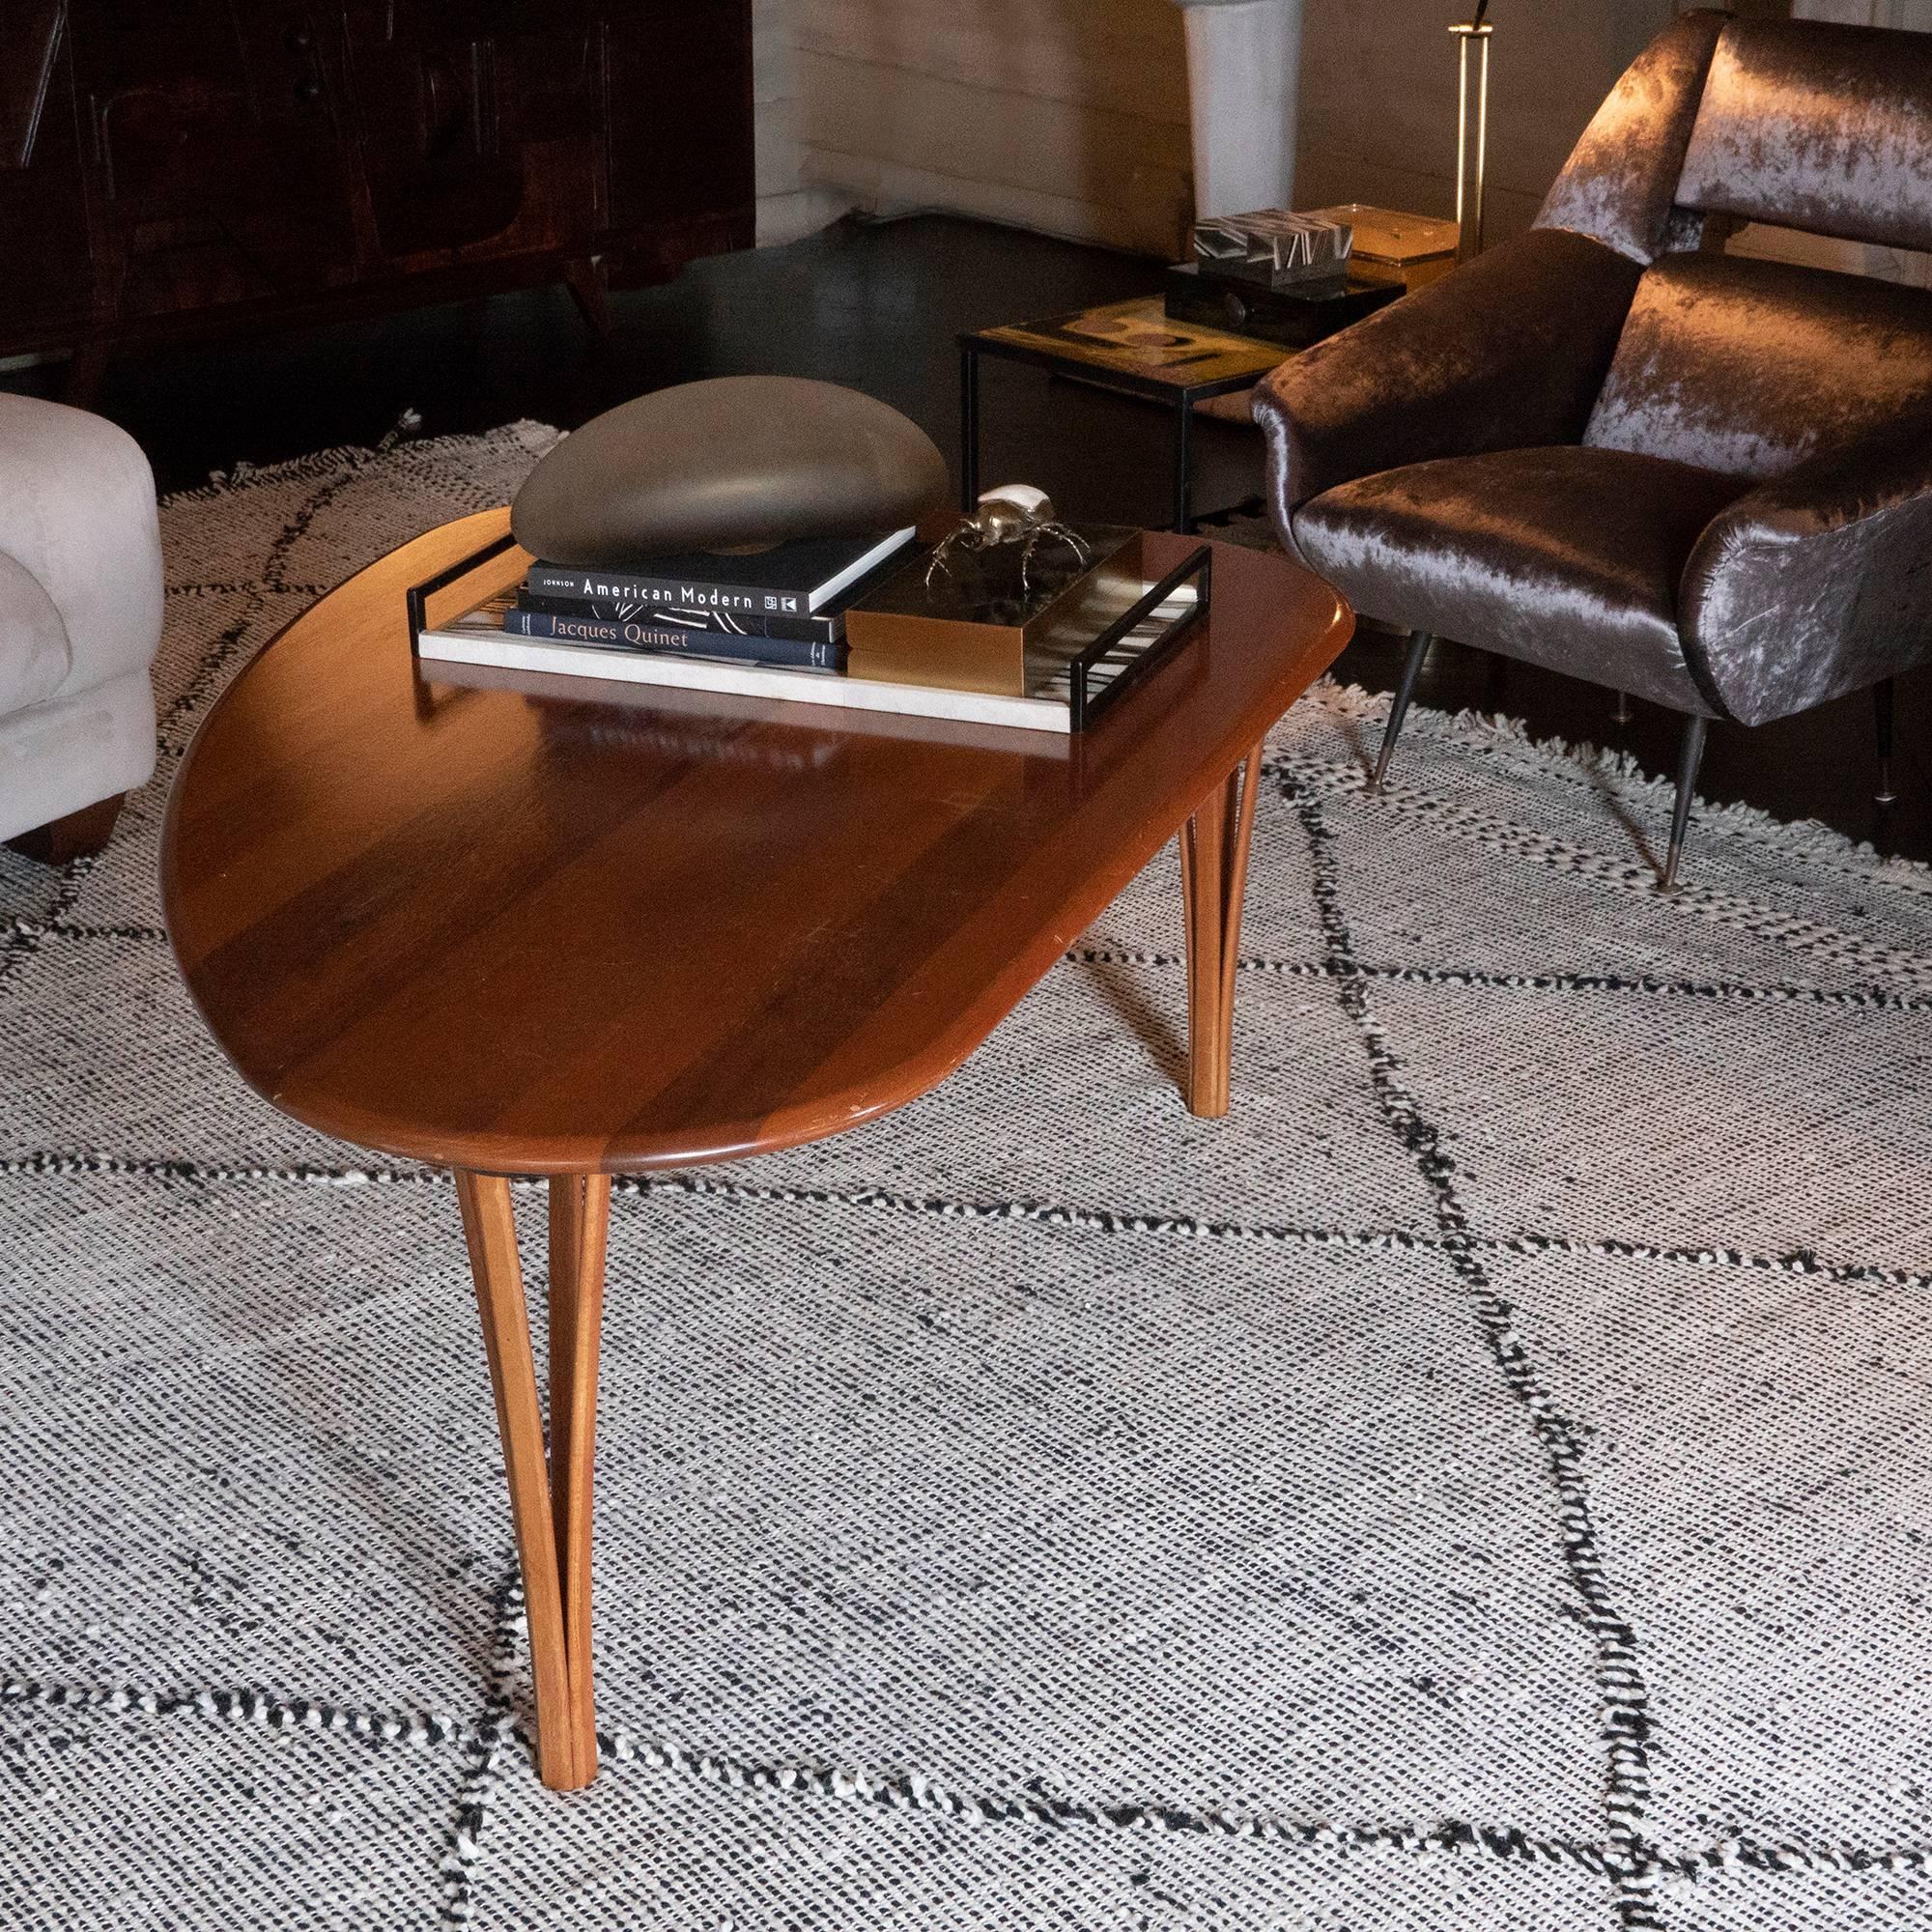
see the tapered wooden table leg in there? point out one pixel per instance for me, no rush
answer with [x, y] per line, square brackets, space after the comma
[579, 1221]
[550, 1497]
[1214, 879]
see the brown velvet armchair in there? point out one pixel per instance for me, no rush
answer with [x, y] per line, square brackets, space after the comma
[1607, 448]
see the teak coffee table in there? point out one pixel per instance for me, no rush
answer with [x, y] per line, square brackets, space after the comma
[547, 927]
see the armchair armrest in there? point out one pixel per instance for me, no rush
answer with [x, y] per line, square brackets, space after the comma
[77, 512]
[1819, 581]
[34, 650]
[1507, 353]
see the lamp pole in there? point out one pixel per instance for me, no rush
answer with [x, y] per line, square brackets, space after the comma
[1475, 29]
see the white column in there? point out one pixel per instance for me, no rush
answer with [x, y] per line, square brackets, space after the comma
[1243, 67]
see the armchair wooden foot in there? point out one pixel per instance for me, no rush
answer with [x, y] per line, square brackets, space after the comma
[80, 834]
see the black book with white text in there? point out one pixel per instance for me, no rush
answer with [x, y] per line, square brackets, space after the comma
[648, 633]
[791, 580]
[823, 627]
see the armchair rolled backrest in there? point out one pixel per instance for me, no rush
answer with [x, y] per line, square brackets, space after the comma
[1816, 127]
[1743, 366]
[1798, 124]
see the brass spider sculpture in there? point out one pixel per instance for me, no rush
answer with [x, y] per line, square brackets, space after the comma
[1000, 522]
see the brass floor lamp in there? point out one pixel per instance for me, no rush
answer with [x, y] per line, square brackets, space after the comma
[1475, 29]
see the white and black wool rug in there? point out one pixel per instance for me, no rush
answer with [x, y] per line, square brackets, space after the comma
[1486, 1482]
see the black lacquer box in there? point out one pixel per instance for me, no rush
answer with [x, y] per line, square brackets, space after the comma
[1296, 315]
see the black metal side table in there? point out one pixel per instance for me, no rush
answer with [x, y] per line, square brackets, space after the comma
[1131, 347]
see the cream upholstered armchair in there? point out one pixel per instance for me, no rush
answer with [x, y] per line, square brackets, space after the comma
[80, 616]
[1609, 448]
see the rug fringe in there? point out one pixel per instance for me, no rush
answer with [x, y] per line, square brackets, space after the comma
[532, 435]
[1632, 785]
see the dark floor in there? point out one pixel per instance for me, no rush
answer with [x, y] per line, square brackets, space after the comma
[878, 306]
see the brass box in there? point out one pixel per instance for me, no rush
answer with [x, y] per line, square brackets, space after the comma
[1390, 246]
[975, 628]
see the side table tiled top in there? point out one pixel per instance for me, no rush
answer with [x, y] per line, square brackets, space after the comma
[1131, 345]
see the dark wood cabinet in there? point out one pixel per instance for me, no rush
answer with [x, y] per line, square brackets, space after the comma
[211, 162]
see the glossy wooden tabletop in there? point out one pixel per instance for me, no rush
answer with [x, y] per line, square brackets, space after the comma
[544, 925]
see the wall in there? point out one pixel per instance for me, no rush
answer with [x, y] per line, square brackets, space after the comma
[1378, 98]
[1064, 115]
[1071, 116]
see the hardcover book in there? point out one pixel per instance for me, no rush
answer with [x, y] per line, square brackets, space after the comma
[824, 626]
[792, 579]
[649, 633]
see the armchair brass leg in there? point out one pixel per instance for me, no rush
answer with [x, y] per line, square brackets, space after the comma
[1689, 758]
[1411, 669]
[1622, 714]
[1884, 698]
